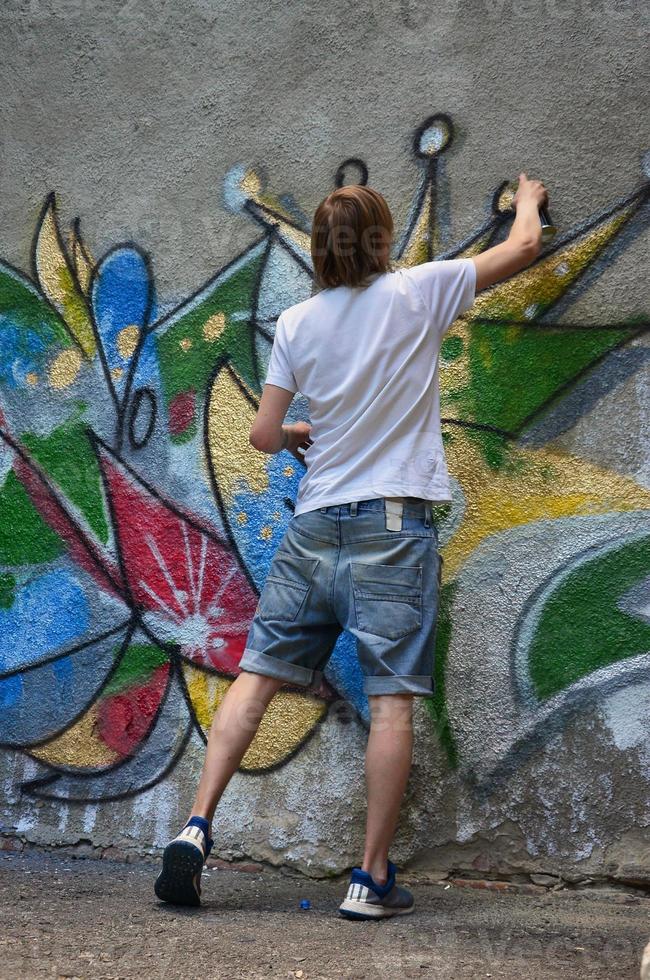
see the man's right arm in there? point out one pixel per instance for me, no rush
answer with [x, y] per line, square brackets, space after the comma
[523, 244]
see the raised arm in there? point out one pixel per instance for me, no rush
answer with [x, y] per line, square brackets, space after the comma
[523, 244]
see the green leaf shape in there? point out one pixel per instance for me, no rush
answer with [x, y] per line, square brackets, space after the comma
[68, 458]
[136, 667]
[189, 367]
[23, 304]
[25, 538]
[581, 627]
[516, 370]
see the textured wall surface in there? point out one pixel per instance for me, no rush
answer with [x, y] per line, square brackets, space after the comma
[160, 164]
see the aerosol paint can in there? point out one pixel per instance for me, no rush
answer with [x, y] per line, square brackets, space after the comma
[548, 227]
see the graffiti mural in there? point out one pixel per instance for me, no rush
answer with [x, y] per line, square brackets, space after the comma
[137, 523]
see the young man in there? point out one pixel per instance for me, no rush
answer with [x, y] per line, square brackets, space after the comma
[361, 550]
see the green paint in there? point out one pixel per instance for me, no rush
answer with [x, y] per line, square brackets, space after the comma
[75, 310]
[136, 667]
[231, 294]
[437, 703]
[23, 305]
[581, 628]
[7, 590]
[67, 456]
[25, 538]
[451, 348]
[515, 371]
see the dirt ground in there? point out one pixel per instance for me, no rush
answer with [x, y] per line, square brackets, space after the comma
[99, 919]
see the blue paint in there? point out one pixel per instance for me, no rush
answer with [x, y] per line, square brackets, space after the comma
[21, 352]
[11, 689]
[48, 613]
[121, 294]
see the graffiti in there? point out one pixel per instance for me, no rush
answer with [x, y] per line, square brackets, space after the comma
[137, 523]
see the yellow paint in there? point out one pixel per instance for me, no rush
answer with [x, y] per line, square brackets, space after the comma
[242, 517]
[214, 327]
[537, 284]
[235, 463]
[65, 367]
[127, 340]
[288, 471]
[79, 747]
[31, 378]
[531, 485]
[185, 343]
[266, 532]
[117, 373]
[272, 212]
[289, 718]
[83, 263]
[59, 284]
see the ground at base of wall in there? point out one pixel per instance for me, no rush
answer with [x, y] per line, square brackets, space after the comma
[97, 919]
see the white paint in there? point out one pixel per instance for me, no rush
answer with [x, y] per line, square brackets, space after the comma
[89, 818]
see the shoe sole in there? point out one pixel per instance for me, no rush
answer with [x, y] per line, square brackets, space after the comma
[176, 883]
[352, 909]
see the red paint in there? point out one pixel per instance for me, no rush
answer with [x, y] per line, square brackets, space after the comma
[182, 572]
[181, 411]
[125, 718]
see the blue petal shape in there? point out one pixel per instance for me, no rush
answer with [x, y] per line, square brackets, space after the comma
[48, 612]
[122, 296]
[44, 700]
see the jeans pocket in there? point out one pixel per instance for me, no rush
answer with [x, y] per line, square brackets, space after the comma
[387, 598]
[286, 586]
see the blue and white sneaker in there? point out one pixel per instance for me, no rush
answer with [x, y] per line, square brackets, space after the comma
[368, 900]
[179, 882]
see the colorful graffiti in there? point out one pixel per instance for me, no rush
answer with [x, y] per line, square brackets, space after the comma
[137, 524]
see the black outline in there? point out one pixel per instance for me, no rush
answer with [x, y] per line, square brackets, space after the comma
[135, 407]
[351, 162]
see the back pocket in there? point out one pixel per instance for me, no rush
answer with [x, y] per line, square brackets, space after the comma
[387, 598]
[286, 586]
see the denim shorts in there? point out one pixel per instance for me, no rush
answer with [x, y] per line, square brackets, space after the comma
[336, 570]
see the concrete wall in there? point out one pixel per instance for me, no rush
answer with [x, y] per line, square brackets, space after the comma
[192, 143]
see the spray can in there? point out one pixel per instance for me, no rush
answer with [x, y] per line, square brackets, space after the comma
[548, 227]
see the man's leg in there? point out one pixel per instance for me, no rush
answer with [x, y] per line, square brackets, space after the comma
[388, 764]
[233, 728]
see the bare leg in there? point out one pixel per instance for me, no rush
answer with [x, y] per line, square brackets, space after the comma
[233, 728]
[388, 764]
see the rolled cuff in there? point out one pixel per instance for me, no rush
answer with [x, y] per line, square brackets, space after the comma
[261, 663]
[409, 684]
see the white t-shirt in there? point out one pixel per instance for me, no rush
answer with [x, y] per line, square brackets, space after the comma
[366, 360]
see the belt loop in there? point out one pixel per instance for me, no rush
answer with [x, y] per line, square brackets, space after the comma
[428, 513]
[353, 508]
[323, 510]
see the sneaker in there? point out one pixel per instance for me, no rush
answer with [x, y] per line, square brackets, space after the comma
[179, 882]
[368, 900]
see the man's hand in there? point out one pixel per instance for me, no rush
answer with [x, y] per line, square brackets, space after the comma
[297, 437]
[523, 244]
[530, 190]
